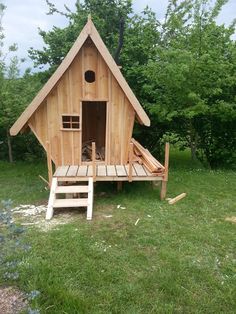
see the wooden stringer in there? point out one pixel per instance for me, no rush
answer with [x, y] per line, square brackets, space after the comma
[67, 201]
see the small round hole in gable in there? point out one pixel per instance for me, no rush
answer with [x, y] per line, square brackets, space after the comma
[89, 76]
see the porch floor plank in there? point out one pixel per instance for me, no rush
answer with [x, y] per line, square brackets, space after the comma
[133, 170]
[101, 171]
[106, 173]
[120, 169]
[111, 171]
[140, 170]
[82, 171]
[90, 171]
[72, 171]
[61, 171]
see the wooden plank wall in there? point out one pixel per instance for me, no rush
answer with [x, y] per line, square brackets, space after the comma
[66, 98]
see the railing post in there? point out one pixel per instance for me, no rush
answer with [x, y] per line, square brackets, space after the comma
[94, 160]
[165, 177]
[131, 154]
[49, 162]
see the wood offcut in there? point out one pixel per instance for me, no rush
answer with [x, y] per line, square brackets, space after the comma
[177, 198]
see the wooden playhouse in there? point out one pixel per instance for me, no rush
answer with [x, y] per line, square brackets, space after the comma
[84, 117]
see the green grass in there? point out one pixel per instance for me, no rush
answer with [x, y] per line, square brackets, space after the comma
[179, 260]
[20, 182]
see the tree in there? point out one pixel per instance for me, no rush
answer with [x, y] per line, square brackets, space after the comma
[109, 17]
[15, 91]
[192, 73]
[11, 72]
[182, 69]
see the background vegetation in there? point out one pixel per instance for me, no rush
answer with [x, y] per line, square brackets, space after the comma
[182, 69]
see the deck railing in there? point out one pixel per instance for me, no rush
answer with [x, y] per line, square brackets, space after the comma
[94, 160]
[165, 177]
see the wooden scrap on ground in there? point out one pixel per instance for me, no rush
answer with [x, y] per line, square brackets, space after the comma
[44, 180]
[177, 198]
[137, 221]
[231, 219]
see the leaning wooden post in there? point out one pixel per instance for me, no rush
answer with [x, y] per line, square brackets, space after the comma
[165, 177]
[49, 162]
[94, 160]
[131, 154]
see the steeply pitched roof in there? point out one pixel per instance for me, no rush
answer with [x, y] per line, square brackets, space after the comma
[89, 30]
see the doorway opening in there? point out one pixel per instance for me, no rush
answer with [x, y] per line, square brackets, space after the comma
[93, 129]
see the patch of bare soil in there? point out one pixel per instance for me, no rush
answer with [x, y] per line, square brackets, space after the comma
[32, 215]
[12, 300]
[231, 219]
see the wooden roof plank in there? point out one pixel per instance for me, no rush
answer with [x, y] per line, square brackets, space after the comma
[42, 94]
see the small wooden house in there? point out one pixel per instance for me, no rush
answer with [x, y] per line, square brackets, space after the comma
[84, 117]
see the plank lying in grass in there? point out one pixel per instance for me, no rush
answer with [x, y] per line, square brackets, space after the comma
[177, 198]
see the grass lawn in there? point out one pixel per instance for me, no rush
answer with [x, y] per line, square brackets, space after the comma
[178, 259]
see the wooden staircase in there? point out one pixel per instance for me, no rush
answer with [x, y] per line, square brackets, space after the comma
[56, 190]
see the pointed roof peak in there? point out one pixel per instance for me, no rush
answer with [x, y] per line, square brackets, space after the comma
[89, 30]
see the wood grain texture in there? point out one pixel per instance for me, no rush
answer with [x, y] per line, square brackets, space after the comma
[40, 97]
[67, 90]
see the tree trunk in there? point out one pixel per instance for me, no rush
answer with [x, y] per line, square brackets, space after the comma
[193, 148]
[121, 39]
[10, 156]
[193, 142]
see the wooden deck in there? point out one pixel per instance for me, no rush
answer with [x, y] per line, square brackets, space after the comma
[106, 173]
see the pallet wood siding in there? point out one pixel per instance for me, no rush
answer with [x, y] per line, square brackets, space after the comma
[66, 98]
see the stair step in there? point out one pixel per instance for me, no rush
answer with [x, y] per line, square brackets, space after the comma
[72, 189]
[70, 202]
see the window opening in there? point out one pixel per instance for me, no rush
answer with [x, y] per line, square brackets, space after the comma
[70, 122]
[89, 76]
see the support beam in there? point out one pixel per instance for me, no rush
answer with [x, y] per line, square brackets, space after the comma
[90, 199]
[165, 177]
[163, 189]
[52, 196]
[119, 186]
[131, 154]
[49, 163]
